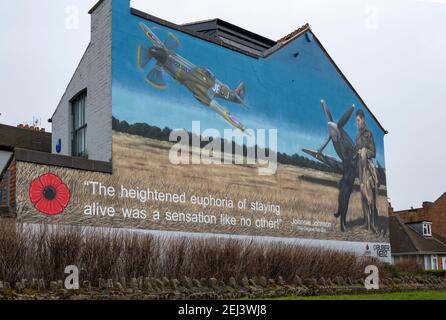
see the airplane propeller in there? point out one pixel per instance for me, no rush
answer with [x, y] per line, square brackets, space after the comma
[327, 112]
[171, 41]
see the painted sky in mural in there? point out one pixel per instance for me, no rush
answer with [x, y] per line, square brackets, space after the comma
[283, 91]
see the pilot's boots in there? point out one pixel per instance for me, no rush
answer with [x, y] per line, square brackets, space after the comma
[343, 224]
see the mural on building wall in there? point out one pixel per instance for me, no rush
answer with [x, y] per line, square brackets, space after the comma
[329, 180]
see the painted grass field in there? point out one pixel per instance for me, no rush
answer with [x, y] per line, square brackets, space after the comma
[144, 162]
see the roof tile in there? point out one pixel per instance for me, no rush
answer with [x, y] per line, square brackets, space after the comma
[295, 33]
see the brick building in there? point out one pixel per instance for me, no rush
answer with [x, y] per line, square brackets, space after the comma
[430, 211]
[17, 140]
[414, 241]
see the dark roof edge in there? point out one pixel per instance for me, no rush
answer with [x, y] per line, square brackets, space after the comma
[235, 28]
[408, 211]
[6, 148]
[95, 6]
[183, 29]
[55, 160]
[349, 83]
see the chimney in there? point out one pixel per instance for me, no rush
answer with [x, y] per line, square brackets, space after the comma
[31, 128]
[427, 204]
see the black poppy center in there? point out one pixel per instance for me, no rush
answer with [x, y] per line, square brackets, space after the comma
[49, 193]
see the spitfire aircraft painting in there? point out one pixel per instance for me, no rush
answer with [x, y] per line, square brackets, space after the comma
[200, 81]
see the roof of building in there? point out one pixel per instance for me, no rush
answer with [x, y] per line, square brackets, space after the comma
[25, 138]
[243, 41]
[232, 35]
[34, 146]
[294, 34]
[406, 241]
[425, 209]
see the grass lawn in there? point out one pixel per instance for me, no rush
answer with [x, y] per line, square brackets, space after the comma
[435, 295]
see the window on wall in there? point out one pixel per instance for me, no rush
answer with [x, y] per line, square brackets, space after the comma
[434, 261]
[427, 263]
[79, 144]
[431, 262]
[427, 229]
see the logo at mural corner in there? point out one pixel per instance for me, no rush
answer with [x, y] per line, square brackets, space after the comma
[49, 194]
[378, 250]
[382, 251]
[368, 252]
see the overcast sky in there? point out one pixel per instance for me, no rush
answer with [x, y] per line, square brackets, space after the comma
[393, 52]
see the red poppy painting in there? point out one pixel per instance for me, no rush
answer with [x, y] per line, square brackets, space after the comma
[49, 194]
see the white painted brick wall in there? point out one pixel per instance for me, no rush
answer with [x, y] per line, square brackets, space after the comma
[94, 73]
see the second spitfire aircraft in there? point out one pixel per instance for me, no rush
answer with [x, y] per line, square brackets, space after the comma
[199, 81]
[342, 143]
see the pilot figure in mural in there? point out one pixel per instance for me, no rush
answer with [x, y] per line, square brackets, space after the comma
[368, 178]
[356, 160]
[346, 151]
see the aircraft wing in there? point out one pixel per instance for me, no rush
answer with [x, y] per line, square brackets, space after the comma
[337, 165]
[226, 115]
[329, 161]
